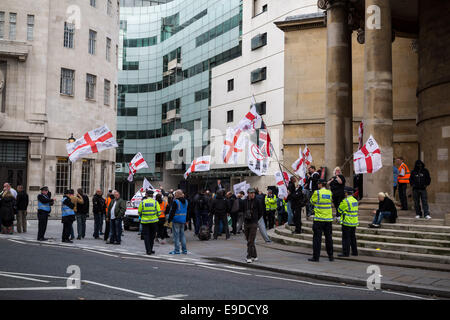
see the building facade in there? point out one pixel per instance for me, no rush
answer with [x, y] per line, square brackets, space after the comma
[258, 72]
[58, 76]
[167, 51]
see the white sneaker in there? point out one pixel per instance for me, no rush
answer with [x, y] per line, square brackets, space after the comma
[249, 260]
[428, 217]
[417, 217]
[255, 259]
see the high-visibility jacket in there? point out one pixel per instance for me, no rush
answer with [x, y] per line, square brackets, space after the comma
[181, 212]
[163, 206]
[321, 200]
[65, 210]
[149, 210]
[405, 178]
[107, 202]
[271, 203]
[348, 209]
[44, 206]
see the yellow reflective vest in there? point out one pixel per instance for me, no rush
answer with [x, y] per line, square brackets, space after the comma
[348, 209]
[321, 200]
[271, 203]
[149, 211]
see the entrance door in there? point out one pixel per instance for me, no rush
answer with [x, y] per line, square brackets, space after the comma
[13, 162]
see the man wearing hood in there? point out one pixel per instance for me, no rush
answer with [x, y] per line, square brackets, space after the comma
[220, 208]
[420, 180]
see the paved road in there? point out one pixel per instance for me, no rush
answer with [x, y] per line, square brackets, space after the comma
[35, 270]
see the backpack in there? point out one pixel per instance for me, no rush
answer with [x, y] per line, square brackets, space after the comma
[203, 233]
[202, 204]
[299, 197]
[235, 207]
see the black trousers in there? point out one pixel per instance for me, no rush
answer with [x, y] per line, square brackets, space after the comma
[217, 219]
[269, 218]
[250, 235]
[297, 212]
[67, 227]
[161, 233]
[42, 224]
[402, 195]
[337, 199]
[234, 218]
[149, 231]
[349, 240]
[320, 227]
[107, 227]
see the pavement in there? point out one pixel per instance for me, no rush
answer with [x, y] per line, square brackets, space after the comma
[274, 258]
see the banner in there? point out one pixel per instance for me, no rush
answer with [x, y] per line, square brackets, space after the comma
[94, 141]
[146, 185]
[265, 143]
[251, 121]
[199, 164]
[282, 189]
[232, 146]
[368, 158]
[243, 186]
[257, 162]
[136, 164]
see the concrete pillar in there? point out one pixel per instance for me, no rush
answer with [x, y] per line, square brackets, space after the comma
[338, 111]
[433, 92]
[378, 115]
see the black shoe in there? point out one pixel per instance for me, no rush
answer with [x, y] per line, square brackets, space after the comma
[153, 252]
[354, 254]
[78, 238]
[68, 241]
[109, 242]
[331, 258]
[343, 255]
[42, 239]
[96, 237]
[118, 243]
[313, 260]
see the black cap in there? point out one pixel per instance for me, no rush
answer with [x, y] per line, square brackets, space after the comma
[322, 181]
[348, 189]
[45, 188]
[68, 191]
[149, 192]
[251, 190]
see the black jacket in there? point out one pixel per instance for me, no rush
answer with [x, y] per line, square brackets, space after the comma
[420, 176]
[98, 204]
[83, 208]
[22, 201]
[201, 203]
[220, 206]
[313, 179]
[7, 210]
[388, 205]
[256, 209]
[291, 189]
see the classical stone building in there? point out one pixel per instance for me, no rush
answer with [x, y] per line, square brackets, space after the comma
[58, 76]
[386, 63]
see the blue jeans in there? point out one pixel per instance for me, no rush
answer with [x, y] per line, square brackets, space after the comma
[290, 213]
[116, 230]
[201, 219]
[378, 218]
[178, 236]
[263, 230]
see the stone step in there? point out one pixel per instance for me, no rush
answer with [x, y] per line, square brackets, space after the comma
[412, 248]
[401, 255]
[385, 238]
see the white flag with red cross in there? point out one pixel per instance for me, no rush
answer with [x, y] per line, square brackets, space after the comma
[199, 164]
[138, 162]
[232, 145]
[251, 121]
[94, 141]
[281, 184]
[368, 158]
[300, 166]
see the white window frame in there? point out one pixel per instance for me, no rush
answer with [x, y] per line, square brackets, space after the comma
[92, 41]
[12, 25]
[106, 92]
[2, 24]
[30, 27]
[69, 35]
[67, 82]
[91, 85]
[108, 49]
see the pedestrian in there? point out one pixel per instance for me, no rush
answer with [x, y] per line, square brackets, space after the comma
[201, 211]
[291, 191]
[116, 211]
[403, 181]
[149, 210]
[210, 199]
[323, 219]
[22, 205]
[82, 214]
[253, 212]
[10, 189]
[348, 210]
[297, 203]
[161, 232]
[177, 217]
[281, 211]
[7, 204]
[98, 209]
[68, 215]
[220, 208]
[108, 199]
[218, 186]
[420, 179]
[271, 206]
[395, 169]
[45, 203]
[76, 200]
[386, 209]
[233, 206]
[240, 215]
[312, 176]
[336, 185]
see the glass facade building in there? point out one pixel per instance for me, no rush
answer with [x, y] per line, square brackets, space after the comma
[167, 51]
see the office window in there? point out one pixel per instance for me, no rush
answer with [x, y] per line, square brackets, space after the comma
[91, 82]
[264, 8]
[258, 75]
[108, 7]
[107, 92]
[62, 175]
[67, 81]
[30, 27]
[229, 116]
[86, 176]
[259, 41]
[115, 97]
[69, 29]
[108, 49]
[230, 85]
[261, 108]
[93, 3]
[2, 24]
[92, 41]
[12, 26]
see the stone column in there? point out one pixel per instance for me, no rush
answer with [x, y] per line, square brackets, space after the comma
[378, 114]
[338, 110]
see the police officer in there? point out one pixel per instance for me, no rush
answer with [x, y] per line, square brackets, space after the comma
[44, 208]
[149, 211]
[68, 215]
[271, 205]
[321, 199]
[348, 210]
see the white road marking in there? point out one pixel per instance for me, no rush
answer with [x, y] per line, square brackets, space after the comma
[406, 295]
[37, 288]
[34, 275]
[171, 297]
[118, 288]
[235, 267]
[208, 267]
[106, 254]
[163, 261]
[16, 241]
[20, 277]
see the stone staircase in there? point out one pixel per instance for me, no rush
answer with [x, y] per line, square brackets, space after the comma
[408, 239]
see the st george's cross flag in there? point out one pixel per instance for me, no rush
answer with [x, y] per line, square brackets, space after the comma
[251, 120]
[138, 162]
[281, 184]
[232, 145]
[199, 164]
[300, 166]
[368, 158]
[94, 141]
[265, 143]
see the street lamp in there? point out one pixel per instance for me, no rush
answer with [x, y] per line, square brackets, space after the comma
[70, 140]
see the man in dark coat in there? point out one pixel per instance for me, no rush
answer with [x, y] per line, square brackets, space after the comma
[98, 208]
[44, 208]
[22, 205]
[420, 179]
[81, 214]
[219, 208]
[253, 212]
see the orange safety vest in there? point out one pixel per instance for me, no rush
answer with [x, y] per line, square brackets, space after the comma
[107, 202]
[163, 206]
[405, 178]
